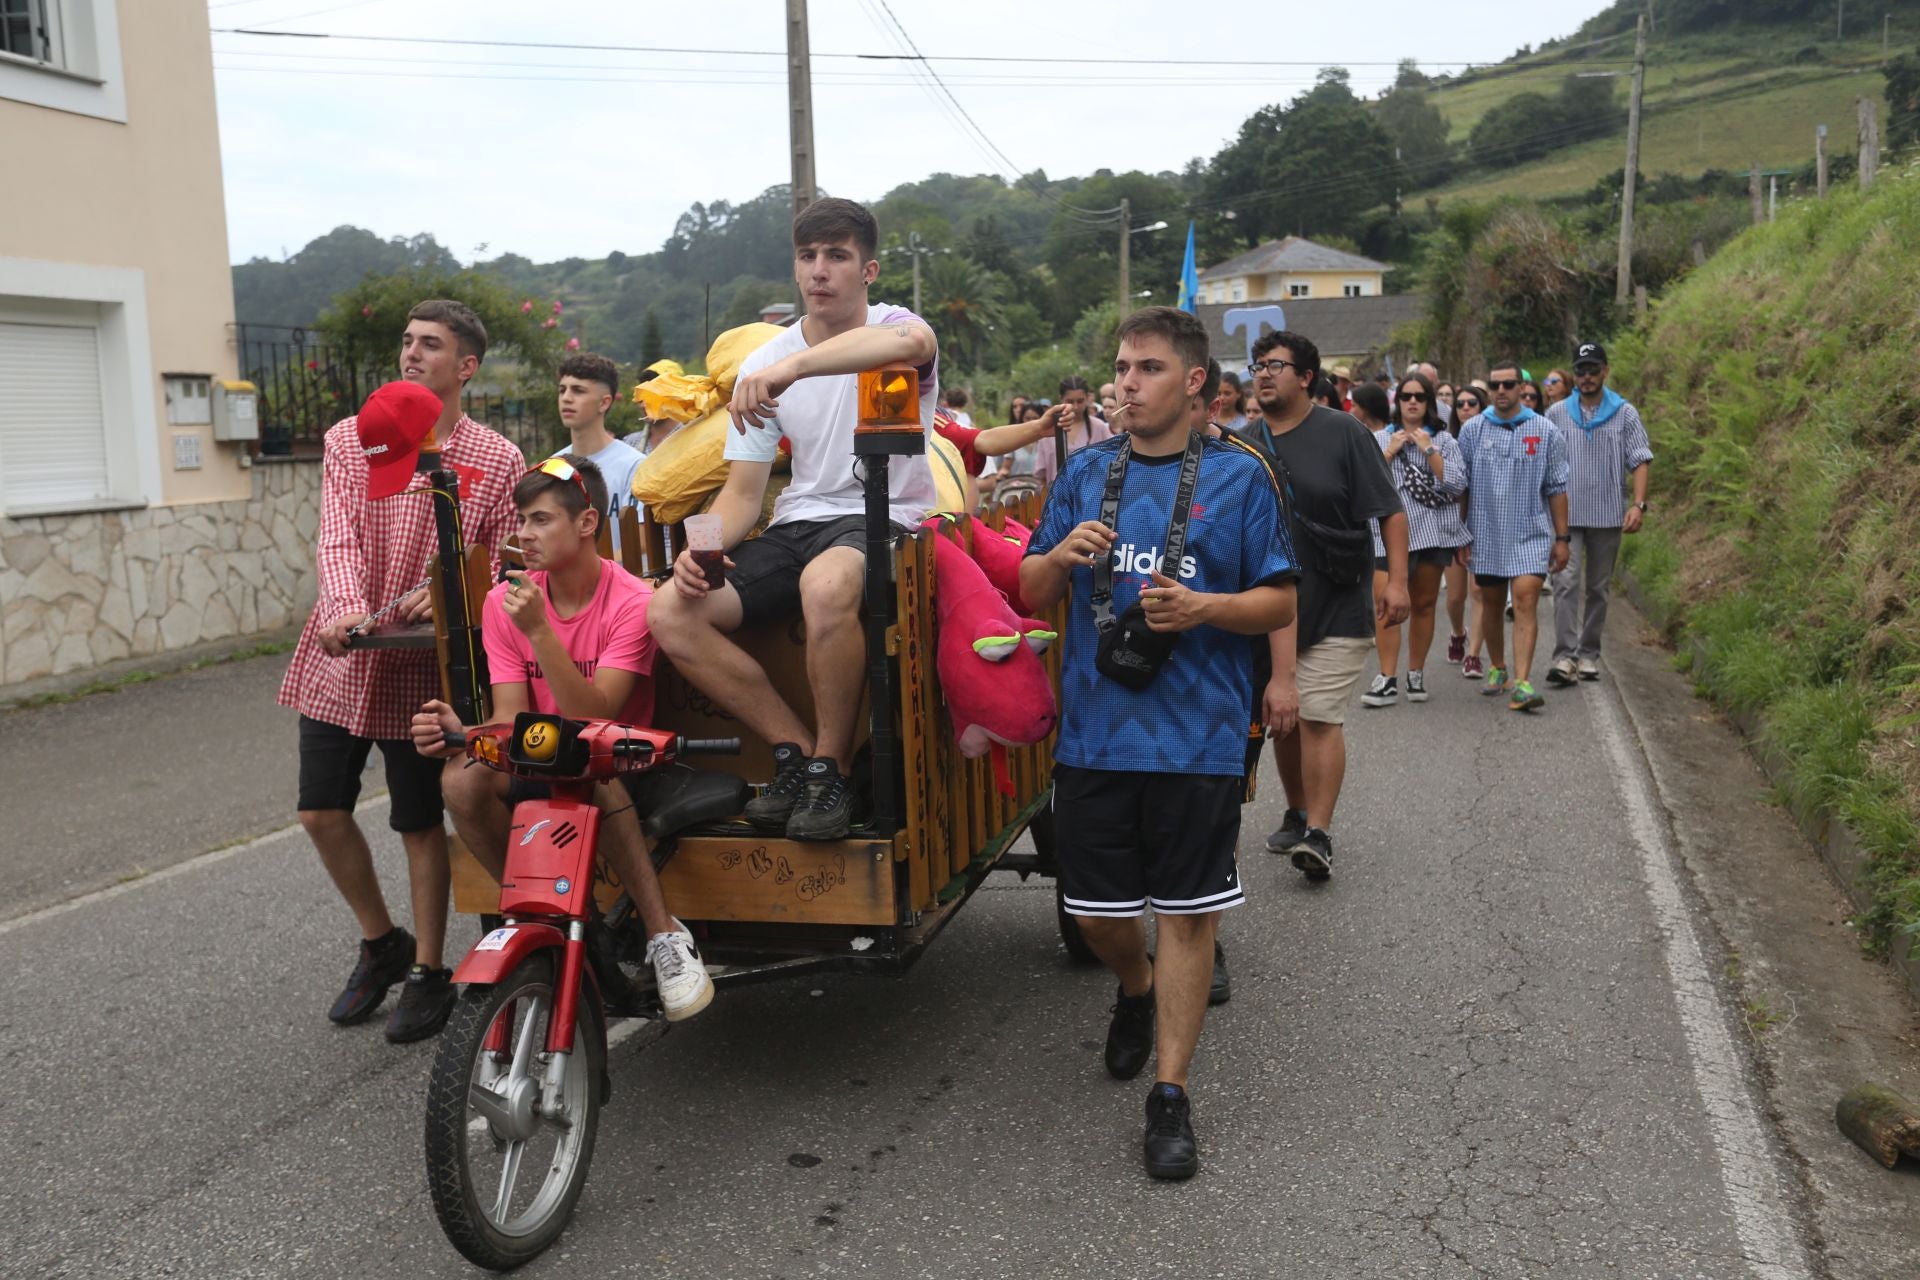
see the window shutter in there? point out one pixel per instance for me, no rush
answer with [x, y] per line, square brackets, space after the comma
[53, 427]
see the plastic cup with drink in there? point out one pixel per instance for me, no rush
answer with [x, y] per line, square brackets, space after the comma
[704, 540]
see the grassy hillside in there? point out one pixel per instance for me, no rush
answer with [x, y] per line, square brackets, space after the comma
[1713, 101]
[1787, 487]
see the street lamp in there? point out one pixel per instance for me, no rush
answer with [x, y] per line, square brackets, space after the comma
[1127, 232]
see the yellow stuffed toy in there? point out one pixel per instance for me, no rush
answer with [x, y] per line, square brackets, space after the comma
[689, 466]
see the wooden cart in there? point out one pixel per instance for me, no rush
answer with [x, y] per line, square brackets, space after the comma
[760, 904]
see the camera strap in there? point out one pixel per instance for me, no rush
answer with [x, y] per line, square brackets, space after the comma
[1176, 540]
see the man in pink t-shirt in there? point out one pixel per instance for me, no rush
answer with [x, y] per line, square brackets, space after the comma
[569, 637]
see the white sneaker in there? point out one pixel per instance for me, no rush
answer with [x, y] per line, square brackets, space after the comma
[1561, 672]
[1381, 693]
[1589, 669]
[685, 988]
[1416, 686]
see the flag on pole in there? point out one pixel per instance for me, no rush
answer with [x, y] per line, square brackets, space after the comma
[1189, 277]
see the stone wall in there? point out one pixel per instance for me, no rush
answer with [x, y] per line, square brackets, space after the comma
[77, 591]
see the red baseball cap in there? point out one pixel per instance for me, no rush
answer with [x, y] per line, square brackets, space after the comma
[392, 423]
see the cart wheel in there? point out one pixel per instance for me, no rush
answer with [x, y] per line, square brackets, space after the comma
[1040, 827]
[1070, 934]
[504, 1173]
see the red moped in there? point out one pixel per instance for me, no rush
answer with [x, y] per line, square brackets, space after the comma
[520, 1074]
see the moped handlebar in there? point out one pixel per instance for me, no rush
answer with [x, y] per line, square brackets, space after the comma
[711, 746]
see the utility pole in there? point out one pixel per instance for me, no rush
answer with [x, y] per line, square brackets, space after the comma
[913, 247]
[1753, 193]
[1869, 142]
[1820, 158]
[1773, 197]
[1623, 276]
[1126, 256]
[800, 104]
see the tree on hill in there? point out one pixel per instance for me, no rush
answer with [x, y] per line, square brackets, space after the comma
[1529, 125]
[652, 348]
[964, 302]
[365, 322]
[1309, 168]
[1083, 256]
[295, 291]
[1418, 131]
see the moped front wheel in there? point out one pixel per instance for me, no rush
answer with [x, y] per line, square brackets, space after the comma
[507, 1152]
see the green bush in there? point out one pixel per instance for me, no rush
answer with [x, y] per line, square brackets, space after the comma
[1787, 536]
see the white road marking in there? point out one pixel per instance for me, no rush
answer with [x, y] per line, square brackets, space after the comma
[195, 863]
[1749, 1168]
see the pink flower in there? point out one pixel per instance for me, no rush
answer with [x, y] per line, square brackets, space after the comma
[556, 306]
[573, 344]
[313, 364]
[548, 323]
[526, 306]
[367, 311]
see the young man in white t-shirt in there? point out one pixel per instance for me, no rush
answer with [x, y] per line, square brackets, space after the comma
[588, 384]
[812, 558]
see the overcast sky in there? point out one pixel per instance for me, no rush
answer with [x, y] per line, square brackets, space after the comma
[554, 152]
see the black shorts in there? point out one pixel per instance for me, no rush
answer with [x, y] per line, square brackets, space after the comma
[766, 570]
[1126, 841]
[331, 760]
[1496, 580]
[1439, 557]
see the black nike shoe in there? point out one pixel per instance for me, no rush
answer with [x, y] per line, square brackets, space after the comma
[1130, 1035]
[1171, 1151]
[1314, 854]
[426, 1001]
[1289, 834]
[824, 810]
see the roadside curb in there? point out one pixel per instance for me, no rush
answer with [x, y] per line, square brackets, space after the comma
[1837, 844]
[16, 697]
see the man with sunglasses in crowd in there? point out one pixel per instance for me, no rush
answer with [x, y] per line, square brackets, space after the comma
[1338, 482]
[569, 637]
[1515, 507]
[1606, 446]
[376, 538]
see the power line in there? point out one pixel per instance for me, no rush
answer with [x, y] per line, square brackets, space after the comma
[1197, 59]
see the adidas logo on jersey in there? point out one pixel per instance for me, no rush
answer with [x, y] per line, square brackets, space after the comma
[1130, 560]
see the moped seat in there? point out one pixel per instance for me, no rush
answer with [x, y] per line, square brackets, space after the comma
[673, 799]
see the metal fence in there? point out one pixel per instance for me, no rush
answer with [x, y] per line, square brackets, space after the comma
[307, 385]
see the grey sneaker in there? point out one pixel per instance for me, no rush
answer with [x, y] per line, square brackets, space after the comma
[1589, 669]
[1562, 672]
[1416, 686]
[824, 810]
[771, 808]
[1290, 833]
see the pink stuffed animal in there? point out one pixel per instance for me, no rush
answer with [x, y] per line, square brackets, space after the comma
[999, 555]
[996, 688]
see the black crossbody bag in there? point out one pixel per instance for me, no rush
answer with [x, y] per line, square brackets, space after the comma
[1130, 651]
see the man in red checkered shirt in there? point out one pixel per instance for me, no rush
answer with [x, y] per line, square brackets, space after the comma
[376, 536]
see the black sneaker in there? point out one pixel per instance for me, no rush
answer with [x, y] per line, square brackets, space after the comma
[381, 964]
[1314, 854]
[426, 1001]
[1290, 833]
[824, 810]
[771, 808]
[1170, 1148]
[1130, 1035]
[1222, 989]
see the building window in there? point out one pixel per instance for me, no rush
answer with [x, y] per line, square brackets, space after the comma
[1354, 289]
[1219, 291]
[1299, 291]
[77, 404]
[27, 30]
[1239, 288]
[64, 55]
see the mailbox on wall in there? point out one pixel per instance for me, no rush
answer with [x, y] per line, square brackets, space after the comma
[236, 413]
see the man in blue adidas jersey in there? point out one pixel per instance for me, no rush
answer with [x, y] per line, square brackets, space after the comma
[1147, 780]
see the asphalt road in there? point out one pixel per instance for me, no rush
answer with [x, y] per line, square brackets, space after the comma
[1495, 1044]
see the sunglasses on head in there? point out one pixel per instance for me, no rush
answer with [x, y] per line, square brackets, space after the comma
[561, 469]
[1503, 384]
